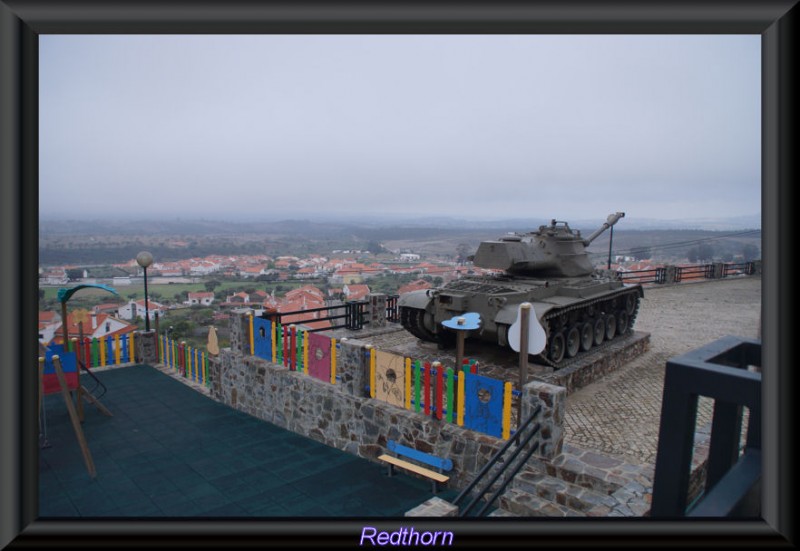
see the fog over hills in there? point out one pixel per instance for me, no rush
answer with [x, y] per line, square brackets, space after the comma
[340, 226]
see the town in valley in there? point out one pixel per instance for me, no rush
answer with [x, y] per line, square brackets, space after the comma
[204, 269]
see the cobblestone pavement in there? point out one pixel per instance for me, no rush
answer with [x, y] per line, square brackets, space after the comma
[619, 415]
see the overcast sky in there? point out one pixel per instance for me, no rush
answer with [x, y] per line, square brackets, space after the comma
[570, 127]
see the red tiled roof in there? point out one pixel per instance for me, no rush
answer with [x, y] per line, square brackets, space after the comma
[74, 330]
[47, 317]
[414, 286]
[355, 292]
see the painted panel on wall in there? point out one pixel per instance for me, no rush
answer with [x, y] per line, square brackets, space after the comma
[390, 378]
[69, 365]
[483, 400]
[262, 338]
[319, 357]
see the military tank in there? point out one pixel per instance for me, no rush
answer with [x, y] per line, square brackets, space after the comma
[579, 307]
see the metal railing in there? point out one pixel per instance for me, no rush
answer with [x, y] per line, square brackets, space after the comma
[678, 274]
[654, 275]
[352, 314]
[742, 268]
[727, 370]
[392, 313]
[701, 271]
[507, 468]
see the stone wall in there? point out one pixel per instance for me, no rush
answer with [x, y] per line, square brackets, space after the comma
[553, 400]
[145, 344]
[343, 416]
[584, 372]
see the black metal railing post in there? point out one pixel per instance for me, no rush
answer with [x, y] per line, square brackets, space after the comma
[521, 442]
[719, 370]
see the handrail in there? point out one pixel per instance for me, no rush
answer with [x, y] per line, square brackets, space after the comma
[502, 471]
[98, 382]
[514, 472]
[484, 471]
[353, 316]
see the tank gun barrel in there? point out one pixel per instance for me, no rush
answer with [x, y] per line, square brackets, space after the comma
[610, 221]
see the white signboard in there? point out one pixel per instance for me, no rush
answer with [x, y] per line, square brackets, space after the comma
[537, 339]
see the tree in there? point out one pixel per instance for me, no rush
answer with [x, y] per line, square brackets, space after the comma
[701, 253]
[211, 285]
[750, 252]
[706, 252]
[462, 252]
[74, 274]
[374, 247]
[641, 253]
[182, 329]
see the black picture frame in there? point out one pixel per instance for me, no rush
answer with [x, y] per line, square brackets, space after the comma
[21, 23]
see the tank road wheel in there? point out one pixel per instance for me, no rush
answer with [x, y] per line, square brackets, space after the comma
[599, 326]
[587, 336]
[502, 334]
[573, 343]
[630, 304]
[611, 326]
[622, 322]
[556, 352]
[412, 320]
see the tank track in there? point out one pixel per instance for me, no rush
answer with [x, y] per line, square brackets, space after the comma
[550, 317]
[412, 320]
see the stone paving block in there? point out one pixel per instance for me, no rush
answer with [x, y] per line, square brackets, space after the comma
[620, 414]
[434, 507]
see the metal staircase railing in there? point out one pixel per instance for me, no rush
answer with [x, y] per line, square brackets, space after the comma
[98, 382]
[508, 467]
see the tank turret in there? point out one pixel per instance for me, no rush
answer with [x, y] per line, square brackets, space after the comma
[581, 308]
[553, 251]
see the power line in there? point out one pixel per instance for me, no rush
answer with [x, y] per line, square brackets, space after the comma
[680, 244]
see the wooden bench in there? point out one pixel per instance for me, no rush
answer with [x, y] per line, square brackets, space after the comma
[421, 457]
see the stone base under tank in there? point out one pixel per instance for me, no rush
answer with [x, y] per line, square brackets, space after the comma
[596, 364]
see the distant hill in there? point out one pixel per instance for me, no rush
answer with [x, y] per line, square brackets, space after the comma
[331, 225]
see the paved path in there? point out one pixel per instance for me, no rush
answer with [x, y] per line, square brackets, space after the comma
[619, 415]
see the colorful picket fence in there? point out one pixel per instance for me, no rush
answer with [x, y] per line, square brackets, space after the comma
[190, 362]
[100, 352]
[459, 396]
[297, 349]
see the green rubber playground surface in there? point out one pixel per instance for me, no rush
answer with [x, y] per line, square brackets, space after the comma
[170, 451]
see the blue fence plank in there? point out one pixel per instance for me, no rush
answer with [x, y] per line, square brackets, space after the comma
[263, 338]
[483, 401]
[124, 356]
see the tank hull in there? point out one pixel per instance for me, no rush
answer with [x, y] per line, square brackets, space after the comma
[578, 314]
